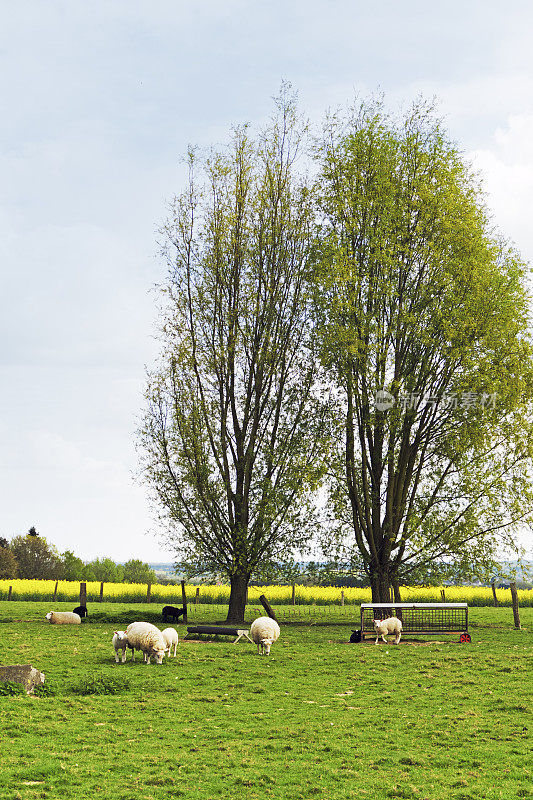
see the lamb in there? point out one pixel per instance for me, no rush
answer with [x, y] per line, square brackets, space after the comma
[264, 631]
[81, 611]
[63, 618]
[172, 613]
[120, 642]
[390, 625]
[170, 635]
[146, 637]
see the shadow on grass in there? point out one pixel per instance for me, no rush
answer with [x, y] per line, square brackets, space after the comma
[123, 618]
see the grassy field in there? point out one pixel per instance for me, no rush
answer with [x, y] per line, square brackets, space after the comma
[319, 718]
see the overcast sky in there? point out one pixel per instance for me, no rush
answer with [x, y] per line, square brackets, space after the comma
[99, 103]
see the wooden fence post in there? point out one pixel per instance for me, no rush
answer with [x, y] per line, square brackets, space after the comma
[197, 598]
[342, 598]
[148, 592]
[102, 592]
[184, 601]
[268, 608]
[443, 596]
[83, 593]
[293, 599]
[54, 596]
[10, 592]
[516, 615]
[495, 597]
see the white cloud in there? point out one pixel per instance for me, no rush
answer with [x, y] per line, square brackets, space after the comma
[507, 170]
[515, 141]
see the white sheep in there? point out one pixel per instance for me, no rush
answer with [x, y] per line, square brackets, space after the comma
[170, 635]
[146, 637]
[264, 632]
[63, 618]
[120, 642]
[385, 626]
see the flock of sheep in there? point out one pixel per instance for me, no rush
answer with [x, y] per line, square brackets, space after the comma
[154, 643]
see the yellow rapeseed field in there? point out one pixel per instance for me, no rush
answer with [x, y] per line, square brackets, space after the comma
[68, 591]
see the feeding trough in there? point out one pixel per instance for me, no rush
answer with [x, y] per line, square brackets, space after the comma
[421, 618]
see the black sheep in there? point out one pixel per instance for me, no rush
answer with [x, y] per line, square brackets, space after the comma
[171, 614]
[355, 637]
[82, 611]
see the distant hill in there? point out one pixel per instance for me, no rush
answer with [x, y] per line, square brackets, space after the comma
[164, 570]
[512, 570]
[521, 572]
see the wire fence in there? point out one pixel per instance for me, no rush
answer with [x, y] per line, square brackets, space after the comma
[297, 601]
[212, 612]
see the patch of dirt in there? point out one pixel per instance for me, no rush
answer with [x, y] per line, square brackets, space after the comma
[413, 643]
[422, 644]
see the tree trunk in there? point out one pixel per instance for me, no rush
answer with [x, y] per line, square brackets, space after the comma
[380, 584]
[237, 598]
[396, 590]
[494, 595]
[516, 614]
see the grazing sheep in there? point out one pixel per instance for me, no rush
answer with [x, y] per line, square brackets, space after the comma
[120, 642]
[385, 626]
[170, 635]
[81, 611]
[146, 637]
[172, 614]
[63, 618]
[264, 632]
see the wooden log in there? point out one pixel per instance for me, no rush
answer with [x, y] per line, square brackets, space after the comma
[494, 595]
[148, 592]
[54, 596]
[184, 601]
[83, 593]
[516, 615]
[268, 608]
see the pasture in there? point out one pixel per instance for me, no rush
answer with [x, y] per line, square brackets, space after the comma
[319, 718]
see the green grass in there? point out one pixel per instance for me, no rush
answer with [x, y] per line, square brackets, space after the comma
[319, 718]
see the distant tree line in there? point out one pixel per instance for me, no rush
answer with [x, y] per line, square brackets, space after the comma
[32, 556]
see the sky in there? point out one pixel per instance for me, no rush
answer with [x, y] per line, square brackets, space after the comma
[100, 102]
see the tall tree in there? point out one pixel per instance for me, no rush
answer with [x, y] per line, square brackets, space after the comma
[424, 324]
[35, 557]
[72, 567]
[8, 563]
[137, 571]
[105, 569]
[232, 436]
